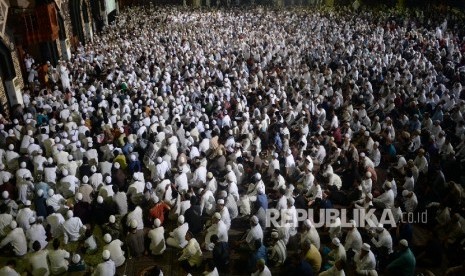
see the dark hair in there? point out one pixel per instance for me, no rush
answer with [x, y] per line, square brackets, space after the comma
[56, 244]
[257, 243]
[214, 238]
[36, 246]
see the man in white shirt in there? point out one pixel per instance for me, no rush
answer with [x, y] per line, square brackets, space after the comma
[254, 233]
[177, 236]
[383, 240]
[262, 269]
[17, 239]
[278, 252]
[365, 261]
[224, 212]
[36, 233]
[310, 233]
[157, 238]
[353, 242]
[114, 246]
[218, 228]
[58, 259]
[72, 228]
[9, 269]
[24, 215]
[38, 260]
[107, 267]
[386, 199]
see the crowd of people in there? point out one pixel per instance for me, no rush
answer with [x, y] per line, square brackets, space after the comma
[172, 128]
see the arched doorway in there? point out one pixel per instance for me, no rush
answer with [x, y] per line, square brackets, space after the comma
[7, 73]
[76, 20]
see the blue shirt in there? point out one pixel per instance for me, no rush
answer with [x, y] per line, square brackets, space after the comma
[262, 201]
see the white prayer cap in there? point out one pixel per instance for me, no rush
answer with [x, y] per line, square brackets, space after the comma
[133, 157]
[156, 223]
[220, 201]
[70, 157]
[11, 147]
[370, 195]
[291, 201]
[274, 235]
[254, 219]
[85, 179]
[210, 175]
[40, 193]
[107, 238]
[367, 133]
[336, 242]
[108, 179]
[362, 154]
[76, 258]
[51, 192]
[112, 219]
[228, 168]
[405, 193]
[27, 203]
[217, 215]
[100, 199]
[65, 172]
[69, 214]
[32, 220]
[379, 227]
[353, 223]
[159, 159]
[93, 169]
[368, 174]
[106, 254]
[404, 242]
[13, 224]
[388, 185]
[117, 165]
[133, 224]
[181, 219]
[366, 247]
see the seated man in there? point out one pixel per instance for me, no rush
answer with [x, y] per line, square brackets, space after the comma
[177, 236]
[191, 256]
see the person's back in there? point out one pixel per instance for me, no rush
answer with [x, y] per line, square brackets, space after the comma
[135, 242]
[220, 253]
[38, 261]
[313, 257]
[58, 259]
[193, 219]
[105, 268]
[405, 262]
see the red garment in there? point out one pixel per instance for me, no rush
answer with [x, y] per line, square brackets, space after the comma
[158, 211]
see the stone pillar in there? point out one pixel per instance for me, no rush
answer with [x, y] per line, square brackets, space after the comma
[13, 90]
[65, 49]
[88, 31]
